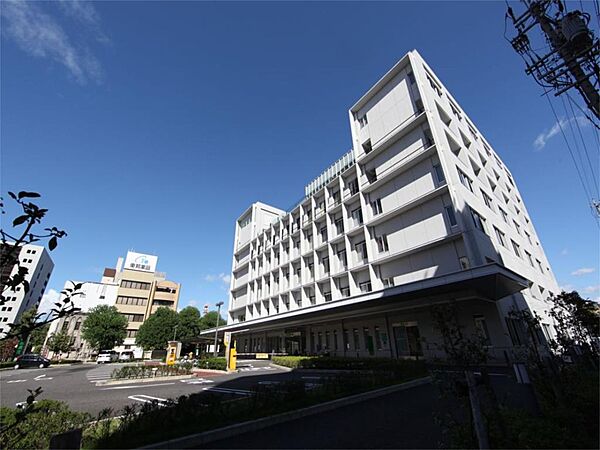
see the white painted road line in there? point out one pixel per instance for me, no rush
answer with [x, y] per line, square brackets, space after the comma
[198, 381]
[311, 378]
[16, 381]
[228, 391]
[136, 386]
[148, 399]
[42, 378]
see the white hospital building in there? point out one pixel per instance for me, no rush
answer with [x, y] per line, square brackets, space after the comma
[421, 211]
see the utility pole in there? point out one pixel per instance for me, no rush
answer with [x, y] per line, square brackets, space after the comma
[573, 59]
[217, 327]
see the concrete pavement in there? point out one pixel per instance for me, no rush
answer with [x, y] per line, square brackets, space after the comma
[79, 385]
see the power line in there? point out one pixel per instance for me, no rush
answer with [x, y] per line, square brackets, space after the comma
[588, 196]
[585, 149]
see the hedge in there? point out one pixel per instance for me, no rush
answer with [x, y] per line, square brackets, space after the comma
[4, 365]
[331, 363]
[150, 371]
[212, 363]
[65, 361]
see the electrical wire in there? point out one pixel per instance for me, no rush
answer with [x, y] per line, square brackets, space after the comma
[585, 113]
[585, 149]
[587, 194]
[591, 184]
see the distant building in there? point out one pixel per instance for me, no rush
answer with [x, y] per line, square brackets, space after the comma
[420, 212]
[92, 295]
[134, 288]
[141, 292]
[39, 264]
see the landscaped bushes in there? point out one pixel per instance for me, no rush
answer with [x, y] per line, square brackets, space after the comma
[149, 371]
[373, 364]
[212, 363]
[7, 364]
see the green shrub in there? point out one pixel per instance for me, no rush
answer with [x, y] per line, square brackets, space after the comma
[139, 371]
[34, 428]
[6, 364]
[406, 367]
[212, 364]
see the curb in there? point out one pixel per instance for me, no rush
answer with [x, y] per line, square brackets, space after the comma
[142, 380]
[199, 439]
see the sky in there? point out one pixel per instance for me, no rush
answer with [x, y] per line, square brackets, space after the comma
[151, 126]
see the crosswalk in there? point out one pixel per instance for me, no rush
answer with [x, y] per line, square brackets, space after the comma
[101, 373]
[251, 368]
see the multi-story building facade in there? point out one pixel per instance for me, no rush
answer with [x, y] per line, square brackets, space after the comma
[39, 268]
[91, 294]
[142, 290]
[422, 211]
[134, 287]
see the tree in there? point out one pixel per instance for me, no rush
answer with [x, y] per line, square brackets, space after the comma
[10, 245]
[189, 324]
[104, 327]
[210, 320]
[37, 338]
[158, 329]
[59, 342]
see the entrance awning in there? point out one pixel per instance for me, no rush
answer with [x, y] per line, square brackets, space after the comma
[490, 282]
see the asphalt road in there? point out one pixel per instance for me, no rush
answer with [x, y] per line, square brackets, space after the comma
[79, 385]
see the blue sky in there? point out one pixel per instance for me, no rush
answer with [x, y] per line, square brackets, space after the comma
[152, 126]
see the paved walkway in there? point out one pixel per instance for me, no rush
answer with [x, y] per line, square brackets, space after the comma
[403, 419]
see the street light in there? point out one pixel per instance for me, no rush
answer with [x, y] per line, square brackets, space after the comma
[217, 327]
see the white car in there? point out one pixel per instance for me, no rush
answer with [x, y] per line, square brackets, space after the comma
[107, 357]
[126, 356]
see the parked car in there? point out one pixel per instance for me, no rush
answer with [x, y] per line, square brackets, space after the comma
[126, 356]
[107, 357]
[31, 360]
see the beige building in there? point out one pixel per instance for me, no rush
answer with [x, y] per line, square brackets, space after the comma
[141, 291]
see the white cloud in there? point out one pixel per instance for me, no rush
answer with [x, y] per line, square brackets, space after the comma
[48, 301]
[583, 271]
[567, 287]
[225, 278]
[592, 289]
[40, 35]
[543, 138]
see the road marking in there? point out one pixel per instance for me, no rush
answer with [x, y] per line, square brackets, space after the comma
[228, 391]
[312, 378]
[137, 386]
[198, 381]
[148, 399]
[16, 381]
[269, 382]
[42, 377]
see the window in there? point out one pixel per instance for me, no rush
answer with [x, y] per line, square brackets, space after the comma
[540, 265]
[353, 186]
[528, 237]
[335, 340]
[326, 264]
[125, 300]
[500, 236]
[357, 216]
[361, 249]
[465, 180]
[327, 296]
[451, 217]
[464, 262]
[439, 174]
[504, 215]
[356, 339]
[365, 286]
[478, 221]
[388, 282]
[345, 291]
[134, 317]
[131, 333]
[486, 199]
[339, 225]
[516, 248]
[381, 339]
[376, 206]
[77, 325]
[411, 78]
[434, 86]
[362, 120]
[529, 258]
[382, 243]
[517, 227]
[135, 285]
[481, 328]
